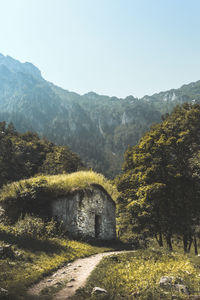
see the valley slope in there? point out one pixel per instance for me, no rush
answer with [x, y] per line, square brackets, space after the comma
[99, 128]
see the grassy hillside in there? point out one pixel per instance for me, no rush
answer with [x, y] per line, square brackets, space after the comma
[137, 275]
[36, 249]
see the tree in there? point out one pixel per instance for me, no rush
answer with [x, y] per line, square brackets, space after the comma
[157, 185]
[25, 155]
[61, 160]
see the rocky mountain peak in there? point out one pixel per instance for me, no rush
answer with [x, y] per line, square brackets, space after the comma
[98, 127]
[91, 95]
[16, 66]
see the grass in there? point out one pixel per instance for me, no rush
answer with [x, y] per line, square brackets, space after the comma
[58, 184]
[33, 195]
[35, 256]
[136, 275]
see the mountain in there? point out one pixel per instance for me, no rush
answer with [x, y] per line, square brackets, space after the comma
[99, 128]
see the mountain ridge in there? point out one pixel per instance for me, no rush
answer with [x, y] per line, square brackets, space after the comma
[98, 127]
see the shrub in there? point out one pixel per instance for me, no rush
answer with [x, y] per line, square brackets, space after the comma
[35, 227]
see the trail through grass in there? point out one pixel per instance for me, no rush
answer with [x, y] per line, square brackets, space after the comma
[137, 275]
[35, 257]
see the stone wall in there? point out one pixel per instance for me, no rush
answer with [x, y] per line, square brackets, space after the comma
[87, 213]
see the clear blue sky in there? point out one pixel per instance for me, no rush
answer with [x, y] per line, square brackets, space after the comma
[112, 47]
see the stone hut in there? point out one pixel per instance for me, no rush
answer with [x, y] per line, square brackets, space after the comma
[87, 213]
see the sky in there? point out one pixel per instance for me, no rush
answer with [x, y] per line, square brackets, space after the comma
[112, 47]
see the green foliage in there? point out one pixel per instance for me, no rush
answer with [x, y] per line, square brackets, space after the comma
[61, 160]
[35, 227]
[136, 276]
[159, 192]
[26, 196]
[24, 155]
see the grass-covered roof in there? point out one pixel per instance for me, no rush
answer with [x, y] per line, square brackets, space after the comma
[33, 194]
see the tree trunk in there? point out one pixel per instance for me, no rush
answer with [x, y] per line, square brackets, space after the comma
[159, 239]
[190, 244]
[169, 243]
[185, 243]
[195, 246]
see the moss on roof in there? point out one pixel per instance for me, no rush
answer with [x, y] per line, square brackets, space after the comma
[34, 193]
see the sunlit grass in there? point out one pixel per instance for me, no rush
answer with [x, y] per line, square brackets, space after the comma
[35, 257]
[136, 276]
[58, 184]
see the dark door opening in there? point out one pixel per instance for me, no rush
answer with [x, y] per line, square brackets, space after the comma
[97, 225]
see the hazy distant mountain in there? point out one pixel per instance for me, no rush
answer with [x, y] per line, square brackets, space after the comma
[99, 128]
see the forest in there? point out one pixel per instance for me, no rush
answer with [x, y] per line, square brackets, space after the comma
[158, 188]
[25, 155]
[160, 185]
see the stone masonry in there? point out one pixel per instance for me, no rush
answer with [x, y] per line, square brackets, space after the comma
[87, 213]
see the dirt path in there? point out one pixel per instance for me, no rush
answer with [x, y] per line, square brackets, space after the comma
[71, 277]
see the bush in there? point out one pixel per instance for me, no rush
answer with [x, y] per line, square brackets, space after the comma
[35, 227]
[25, 196]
